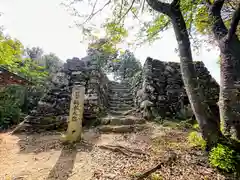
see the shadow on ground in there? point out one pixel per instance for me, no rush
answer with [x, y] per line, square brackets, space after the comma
[44, 142]
[64, 165]
[62, 170]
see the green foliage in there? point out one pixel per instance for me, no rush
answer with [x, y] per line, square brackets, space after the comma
[34, 53]
[126, 66]
[104, 52]
[159, 23]
[155, 176]
[174, 124]
[11, 57]
[14, 99]
[11, 100]
[196, 140]
[10, 51]
[52, 63]
[224, 158]
[196, 127]
[169, 123]
[202, 20]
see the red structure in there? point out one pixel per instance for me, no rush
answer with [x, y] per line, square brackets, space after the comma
[7, 78]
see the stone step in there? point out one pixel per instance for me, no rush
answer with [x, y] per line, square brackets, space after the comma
[113, 98]
[120, 96]
[119, 89]
[119, 86]
[119, 101]
[125, 90]
[119, 108]
[116, 113]
[121, 105]
[120, 93]
[120, 120]
[118, 83]
[121, 128]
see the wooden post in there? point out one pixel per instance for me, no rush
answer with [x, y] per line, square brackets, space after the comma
[74, 131]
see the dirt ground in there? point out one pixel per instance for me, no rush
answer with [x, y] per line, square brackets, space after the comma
[42, 156]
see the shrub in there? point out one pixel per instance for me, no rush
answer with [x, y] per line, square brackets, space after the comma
[224, 158]
[155, 176]
[185, 125]
[10, 114]
[10, 103]
[16, 100]
[196, 127]
[196, 140]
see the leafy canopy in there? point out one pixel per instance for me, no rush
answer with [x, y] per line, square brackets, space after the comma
[11, 57]
[135, 23]
[126, 66]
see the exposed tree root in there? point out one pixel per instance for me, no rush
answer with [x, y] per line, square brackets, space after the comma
[135, 151]
[36, 126]
[124, 150]
[171, 158]
[19, 125]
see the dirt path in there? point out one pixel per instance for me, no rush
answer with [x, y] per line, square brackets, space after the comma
[42, 156]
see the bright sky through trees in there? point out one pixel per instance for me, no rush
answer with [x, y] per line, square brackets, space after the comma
[46, 23]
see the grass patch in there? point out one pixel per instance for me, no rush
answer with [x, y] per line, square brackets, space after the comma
[195, 139]
[177, 124]
[173, 139]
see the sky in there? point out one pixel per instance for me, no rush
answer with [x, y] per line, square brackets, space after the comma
[45, 23]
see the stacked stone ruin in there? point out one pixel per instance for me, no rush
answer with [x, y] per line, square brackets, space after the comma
[53, 109]
[163, 89]
[158, 90]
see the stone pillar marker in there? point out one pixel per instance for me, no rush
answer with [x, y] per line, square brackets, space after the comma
[74, 130]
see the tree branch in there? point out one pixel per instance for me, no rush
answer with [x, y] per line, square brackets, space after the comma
[172, 156]
[218, 27]
[162, 7]
[231, 5]
[137, 18]
[175, 3]
[142, 6]
[127, 11]
[94, 13]
[218, 4]
[207, 3]
[234, 23]
[121, 8]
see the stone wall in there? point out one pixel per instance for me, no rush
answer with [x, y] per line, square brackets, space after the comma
[163, 90]
[53, 109]
[85, 72]
[136, 83]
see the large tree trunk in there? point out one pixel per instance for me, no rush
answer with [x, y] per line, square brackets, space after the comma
[229, 45]
[209, 124]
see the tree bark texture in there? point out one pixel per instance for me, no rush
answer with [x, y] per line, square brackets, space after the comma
[209, 124]
[229, 45]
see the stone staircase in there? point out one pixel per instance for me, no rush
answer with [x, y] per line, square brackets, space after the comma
[120, 104]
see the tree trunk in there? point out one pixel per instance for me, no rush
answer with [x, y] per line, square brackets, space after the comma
[209, 124]
[228, 91]
[229, 45]
[74, 130]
